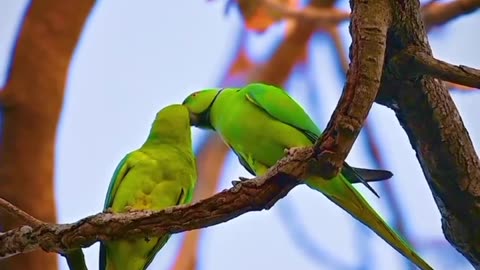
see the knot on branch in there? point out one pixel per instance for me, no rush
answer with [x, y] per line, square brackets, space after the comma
[325, 159]
[332, 148]
[403, 65]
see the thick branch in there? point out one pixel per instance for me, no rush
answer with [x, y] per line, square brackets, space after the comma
[251, 195]
[370, 21]
[414, 63]
[436, 132]
[437, 14]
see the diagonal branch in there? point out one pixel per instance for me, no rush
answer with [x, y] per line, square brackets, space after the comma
[251, 195]
[413, 62]
[370, 22]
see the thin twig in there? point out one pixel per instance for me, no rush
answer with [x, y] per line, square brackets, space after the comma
[19, 213]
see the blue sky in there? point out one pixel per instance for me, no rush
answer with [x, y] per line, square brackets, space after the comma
[132, 60]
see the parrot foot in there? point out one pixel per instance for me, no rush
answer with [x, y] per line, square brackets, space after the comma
[108, 210]
[239, 182]
[236, 182]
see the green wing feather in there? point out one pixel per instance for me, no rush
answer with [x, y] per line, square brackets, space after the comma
[279, 105]
[118, 175]
[121, 171]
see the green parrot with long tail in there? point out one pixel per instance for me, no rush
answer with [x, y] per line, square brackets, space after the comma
[160, 174]
[258, 122]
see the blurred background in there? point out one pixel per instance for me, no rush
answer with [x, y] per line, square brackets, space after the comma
[135, 58]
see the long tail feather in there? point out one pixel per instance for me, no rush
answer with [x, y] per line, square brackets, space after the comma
[355, 175]
[369, 175]
[76, 260]
[342, 193]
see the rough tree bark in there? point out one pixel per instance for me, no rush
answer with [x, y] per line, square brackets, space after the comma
[31, 103]
[436, 132]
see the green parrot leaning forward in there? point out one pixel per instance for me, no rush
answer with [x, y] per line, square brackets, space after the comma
[160, 174]
[259, 122]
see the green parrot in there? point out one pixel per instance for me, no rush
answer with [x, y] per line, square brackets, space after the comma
[160, 174]
[258, 122]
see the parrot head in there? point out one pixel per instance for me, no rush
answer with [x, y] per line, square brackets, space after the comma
[173, 111]
[171, 121]
[199, 104]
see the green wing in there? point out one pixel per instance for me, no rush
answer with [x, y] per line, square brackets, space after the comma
[118, 175]
[279, 105]
[122, 169]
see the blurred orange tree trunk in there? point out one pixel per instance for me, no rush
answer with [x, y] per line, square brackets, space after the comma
[31, 103]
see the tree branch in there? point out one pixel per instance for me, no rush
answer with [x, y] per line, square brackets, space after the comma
[369, 25]
[436, 14]
[250, 195]
[413, 62]
[436, 132]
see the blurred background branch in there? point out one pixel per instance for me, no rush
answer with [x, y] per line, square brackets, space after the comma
[31, 105]
[437, 14]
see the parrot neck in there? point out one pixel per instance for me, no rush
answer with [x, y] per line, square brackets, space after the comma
[169, 132]
[205, 117]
